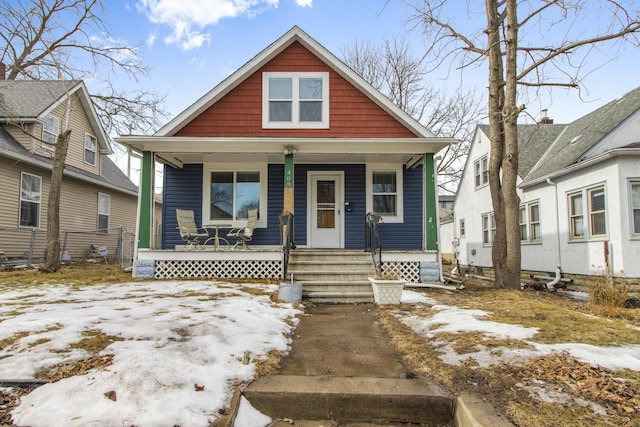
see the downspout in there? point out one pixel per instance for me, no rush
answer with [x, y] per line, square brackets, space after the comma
[552, 285]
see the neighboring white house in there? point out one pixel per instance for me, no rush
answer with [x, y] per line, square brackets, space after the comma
[579, 186]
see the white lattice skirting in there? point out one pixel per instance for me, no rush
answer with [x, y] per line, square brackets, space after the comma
[222, 269]
[406, 270]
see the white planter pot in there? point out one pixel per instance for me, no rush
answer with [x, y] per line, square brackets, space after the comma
[387, 291]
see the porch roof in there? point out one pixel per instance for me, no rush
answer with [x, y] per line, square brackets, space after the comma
[177, 151]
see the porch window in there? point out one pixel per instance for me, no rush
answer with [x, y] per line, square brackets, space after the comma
[89, 149]
[384, 191]
[635, 207]
[230, 194]
[104, 210]
[50, 131]
[30, 198]
[295, 100]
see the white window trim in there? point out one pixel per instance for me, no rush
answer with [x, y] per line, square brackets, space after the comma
[482, 172]
[22, 174]
[387, 167]
[492, 220]
[295, 123]
[46, 145]
[633, 233]
[207, 168]
[108, 214]
[529, 225]
[587, 213]
[95, 150]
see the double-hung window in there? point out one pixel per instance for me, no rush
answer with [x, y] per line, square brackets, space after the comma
[530, 223]
[229, 194]
[576, 216]
[481, 171]
[384, 191]
[488, 229]
[295, 100]
[463, 229]
[104, 209]
[50, 131]
[635, 208]
[30, 198]
[89, 149]
[588, 213]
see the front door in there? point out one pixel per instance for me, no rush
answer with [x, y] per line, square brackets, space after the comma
[326, 205]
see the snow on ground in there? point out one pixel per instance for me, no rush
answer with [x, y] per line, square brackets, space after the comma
[177, 337]
[457, 320]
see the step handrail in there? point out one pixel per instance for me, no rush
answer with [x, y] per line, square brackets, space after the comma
[286, 228]
[373, 243]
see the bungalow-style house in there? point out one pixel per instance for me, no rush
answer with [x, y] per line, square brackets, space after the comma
[96, 194]
[293, 130]
[579, 186]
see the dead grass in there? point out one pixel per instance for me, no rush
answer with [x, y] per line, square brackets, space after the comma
[74, 274]
[94, 341]
[511, 388]
[270, 365]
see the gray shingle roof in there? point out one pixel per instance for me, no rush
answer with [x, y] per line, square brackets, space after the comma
[110, 173]
[533, 141]
[585, 132]
[29, 98]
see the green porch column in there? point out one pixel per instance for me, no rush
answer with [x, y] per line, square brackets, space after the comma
[287, 202]
[145, 203]
[430, 203]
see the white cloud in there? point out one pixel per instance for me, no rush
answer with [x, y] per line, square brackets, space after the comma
[188, 18]
[304, 3]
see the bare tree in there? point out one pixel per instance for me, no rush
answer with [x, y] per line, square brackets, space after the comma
[403, 78]
[528, 45]
[70, 39]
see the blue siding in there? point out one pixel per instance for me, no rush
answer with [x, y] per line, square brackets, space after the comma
[407, 235]
[183, 189]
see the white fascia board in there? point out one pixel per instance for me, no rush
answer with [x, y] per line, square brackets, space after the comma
[277, 145]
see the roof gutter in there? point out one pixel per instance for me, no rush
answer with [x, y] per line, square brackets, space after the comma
[610, 154]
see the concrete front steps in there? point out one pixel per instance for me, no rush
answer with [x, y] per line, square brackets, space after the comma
[332, 275]
[351, 399]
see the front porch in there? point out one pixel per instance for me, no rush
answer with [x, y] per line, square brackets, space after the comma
[268, 263]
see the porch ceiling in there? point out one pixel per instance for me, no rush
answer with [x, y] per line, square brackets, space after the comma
[180, 150]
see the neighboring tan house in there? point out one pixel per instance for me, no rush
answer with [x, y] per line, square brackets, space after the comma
[96, 194]
[579, 186]
[294, 130]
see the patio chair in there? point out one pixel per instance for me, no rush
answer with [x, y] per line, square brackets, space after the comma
[189, 232]
[244, 234]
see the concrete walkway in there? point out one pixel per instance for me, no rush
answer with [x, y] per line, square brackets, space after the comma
[342, 369]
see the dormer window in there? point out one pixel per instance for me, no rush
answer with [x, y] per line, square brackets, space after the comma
[50, 131]
[295, 100]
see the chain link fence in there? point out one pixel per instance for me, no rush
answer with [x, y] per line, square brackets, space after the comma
[23, 246]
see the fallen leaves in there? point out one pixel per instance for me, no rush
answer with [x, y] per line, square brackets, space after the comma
[567, 374]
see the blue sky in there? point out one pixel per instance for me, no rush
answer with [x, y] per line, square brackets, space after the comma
[192, 45]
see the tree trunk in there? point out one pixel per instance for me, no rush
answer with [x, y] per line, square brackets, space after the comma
[52, 262]
[511, 275]
[496, 128]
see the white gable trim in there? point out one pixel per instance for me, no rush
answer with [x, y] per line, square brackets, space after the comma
[293, 35]
[92, 116]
